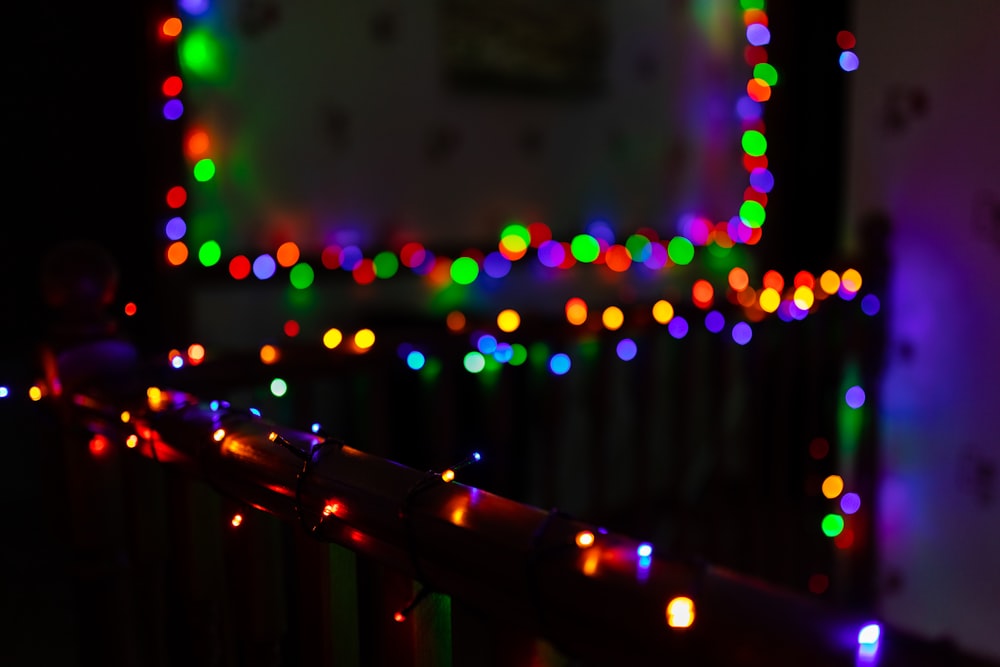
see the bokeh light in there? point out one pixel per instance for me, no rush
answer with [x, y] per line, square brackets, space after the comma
[364, 339]
[818, 448]
[832, 525]
[173, 109]
[680, 612]
[576, 311]
[301, 276]
[269, 354]
[171, 27]
[560, 363]
[177, 253]
[678, 327]
[833, 485]
[855, 397]
[204, 170]
[848, 61]
[742, 333]
[612, 318]
[626, 349]
[663, 311]
[239, 267]
[209, 253]
[264, 266]
[287, 254]
[850, 503]
[870, 304]
[332, 338]
[474, 362]
[715, 321]
[508, 320]
[585, 248]
[464, 270]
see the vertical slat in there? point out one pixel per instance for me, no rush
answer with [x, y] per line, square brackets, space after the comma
[381, 592]
[342, 599]
[99, 553]
[199, 623]
[431, 624]
[145, 505]
[38, 600]
[254, 569]
[479, 641]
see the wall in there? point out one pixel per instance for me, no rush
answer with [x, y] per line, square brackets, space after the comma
[354, 123]
[923, 155]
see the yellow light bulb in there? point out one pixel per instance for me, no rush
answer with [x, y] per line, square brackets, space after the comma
[680, 612]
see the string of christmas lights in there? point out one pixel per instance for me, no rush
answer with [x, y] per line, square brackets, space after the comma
[545, 568]
[196, 39]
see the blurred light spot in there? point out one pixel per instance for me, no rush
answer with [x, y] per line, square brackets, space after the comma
[269, 354]
[364, 339]
[486, 343]
[832, 525]
[715, 321]
[474, 362]
[173, 109]
[239, 267]
[738, 278]
[508, 320]
[264, 267]
[702, 293]
[415, 360]
[576, 311]
[851, 280]
[849, 61]
[626, 349]
[819, 448]
[612, 318]
[464, 270]
[850, 503]
[559, 364]
[870, 304]
[663, 311]
[742, 333]
[495, 265]
[846, 39]
[680, 612]
[855, 397]
[455, 321]
[332, 338]
[585, 248]
[832, 486]
[818, 584]
[177, 253]
[678, 327]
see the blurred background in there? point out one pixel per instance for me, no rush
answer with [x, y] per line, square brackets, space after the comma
[414, 172]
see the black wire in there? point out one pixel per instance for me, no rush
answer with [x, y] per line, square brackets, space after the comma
[314, 456]
[420, 485]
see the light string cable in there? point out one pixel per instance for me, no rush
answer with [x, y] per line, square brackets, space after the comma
[309, 459]
[429, 480]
